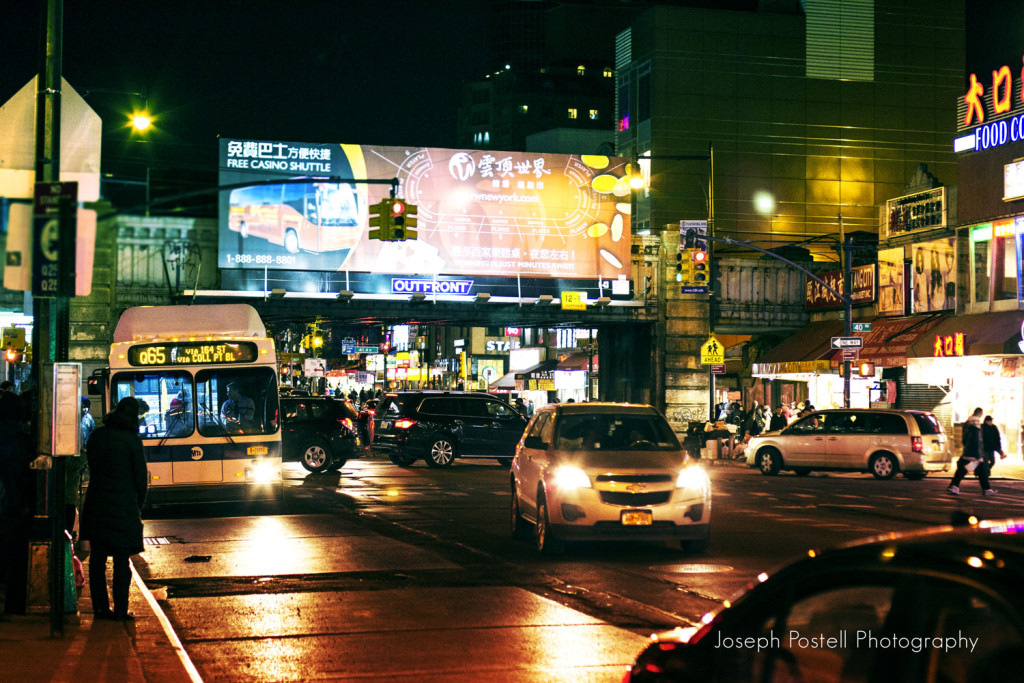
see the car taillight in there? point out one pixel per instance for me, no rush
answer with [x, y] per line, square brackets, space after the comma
[346, 423]
[916, 444]
[404, 423]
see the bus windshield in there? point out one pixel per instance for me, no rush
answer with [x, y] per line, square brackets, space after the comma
[223, 401]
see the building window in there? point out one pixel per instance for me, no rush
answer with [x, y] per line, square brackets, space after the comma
[840, 42]
[608, 73]
[994, 261]
[594, 115]
[524, 108]
[573, 114]
[581, 70]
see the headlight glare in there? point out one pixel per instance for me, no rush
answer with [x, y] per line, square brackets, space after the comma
[693, 477]
[569, 477]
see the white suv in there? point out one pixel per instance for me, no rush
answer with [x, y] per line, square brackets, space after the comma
[610, 471]
[882, 442]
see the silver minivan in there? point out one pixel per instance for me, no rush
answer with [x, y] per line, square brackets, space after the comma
[880, 441]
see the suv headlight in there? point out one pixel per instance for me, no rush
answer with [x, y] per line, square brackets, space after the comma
[569, 477]
[693, 478]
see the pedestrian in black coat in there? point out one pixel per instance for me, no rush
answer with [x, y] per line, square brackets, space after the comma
[971, 459]
[16, 501]
[112, 514]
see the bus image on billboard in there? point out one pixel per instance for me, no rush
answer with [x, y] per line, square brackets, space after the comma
[314, 217]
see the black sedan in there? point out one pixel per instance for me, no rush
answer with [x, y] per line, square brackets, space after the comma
[942, 605]
[318, 431]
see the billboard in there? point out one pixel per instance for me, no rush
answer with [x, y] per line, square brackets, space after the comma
[482, 213]
[933, 273]
[891, 299]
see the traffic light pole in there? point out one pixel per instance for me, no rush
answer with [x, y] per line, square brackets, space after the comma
[844, 297]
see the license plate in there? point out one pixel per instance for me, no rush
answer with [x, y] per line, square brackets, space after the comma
[384, 424]
[256, 450]
[637, 518]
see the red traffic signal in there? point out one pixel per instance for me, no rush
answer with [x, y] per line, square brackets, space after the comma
[699, 256]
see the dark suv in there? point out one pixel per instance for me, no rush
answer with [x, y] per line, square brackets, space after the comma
[440, 426]
[318, 431]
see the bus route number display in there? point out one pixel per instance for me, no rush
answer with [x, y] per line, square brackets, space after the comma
[192, 353]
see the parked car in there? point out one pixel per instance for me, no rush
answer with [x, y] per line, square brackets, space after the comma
[606, 471]
[366, 413]
[939, 605]
[440, 426]
[882, 442]
[318, 431]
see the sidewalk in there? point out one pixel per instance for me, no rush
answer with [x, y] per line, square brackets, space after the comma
[143, 650]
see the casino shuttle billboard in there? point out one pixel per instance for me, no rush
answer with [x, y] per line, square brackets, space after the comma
[483, 213]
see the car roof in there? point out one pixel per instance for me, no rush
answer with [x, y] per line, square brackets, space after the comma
[600, 407]
[441, 392]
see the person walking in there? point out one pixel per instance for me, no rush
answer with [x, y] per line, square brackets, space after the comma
[991, 443]
[778, 420]
[112, 514]
[971, 458]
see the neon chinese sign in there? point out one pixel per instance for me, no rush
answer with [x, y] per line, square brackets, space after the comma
[949, 345]
[991, 115]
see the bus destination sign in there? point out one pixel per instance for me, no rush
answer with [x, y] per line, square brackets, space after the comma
[193, 353]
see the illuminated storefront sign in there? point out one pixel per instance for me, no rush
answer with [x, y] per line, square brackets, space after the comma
[918, 211]
[863, 290]
[990, 113]
[483, 213]
[949, 345]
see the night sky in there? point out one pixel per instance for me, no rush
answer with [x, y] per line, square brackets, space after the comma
[384, 73]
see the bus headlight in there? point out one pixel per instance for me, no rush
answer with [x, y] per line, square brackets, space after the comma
[263, 472]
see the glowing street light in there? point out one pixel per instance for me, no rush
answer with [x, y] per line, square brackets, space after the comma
[140, 121]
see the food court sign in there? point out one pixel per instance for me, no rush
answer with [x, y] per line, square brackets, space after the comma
[991, 111]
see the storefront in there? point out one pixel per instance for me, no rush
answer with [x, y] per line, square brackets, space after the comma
[572, 375]
[978, 361]
[536, 384]
[799, 368]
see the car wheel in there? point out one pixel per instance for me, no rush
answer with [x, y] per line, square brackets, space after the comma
[915, 476]
[769, 461]
[315, 457]
[402, 459]
[520, 527]
[547, 544]
[883, 466]
[442, 452]
[337, 464]
[291, 242]
[504, 462]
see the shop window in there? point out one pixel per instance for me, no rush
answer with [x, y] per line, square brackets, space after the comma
[1004, 266]
[994, 262]
[981, 238]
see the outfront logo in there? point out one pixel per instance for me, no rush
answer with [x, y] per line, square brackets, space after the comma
[197, 453]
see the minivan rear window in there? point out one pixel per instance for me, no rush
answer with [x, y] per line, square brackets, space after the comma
[927, 423]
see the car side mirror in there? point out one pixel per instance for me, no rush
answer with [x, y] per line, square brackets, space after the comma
[535, 442]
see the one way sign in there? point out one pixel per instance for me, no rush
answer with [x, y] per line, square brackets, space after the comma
[847, 342]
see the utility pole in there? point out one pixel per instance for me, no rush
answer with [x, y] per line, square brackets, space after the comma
[847, 310]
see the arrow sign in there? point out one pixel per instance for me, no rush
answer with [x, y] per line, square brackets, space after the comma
[847, 342]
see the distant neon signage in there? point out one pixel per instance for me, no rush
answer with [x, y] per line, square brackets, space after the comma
[991, 112]
[949, 345]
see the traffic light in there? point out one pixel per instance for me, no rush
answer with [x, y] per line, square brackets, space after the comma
[12, 355]
[700, 267]
[684, 266]
[397, 220]
[410, 221]
[462, 364]
[380, 221]
[866, 369]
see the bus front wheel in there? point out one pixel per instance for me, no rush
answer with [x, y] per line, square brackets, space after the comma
[291, 242]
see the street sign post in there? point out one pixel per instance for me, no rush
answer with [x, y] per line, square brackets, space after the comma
[851, 354]
[861, 327]
[847, 342]
[53, 246]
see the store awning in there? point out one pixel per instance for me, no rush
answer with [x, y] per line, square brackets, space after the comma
[542, 370]
[506, 381]
[578, 360]
[804, 352]
[980, 334]
[887, 342]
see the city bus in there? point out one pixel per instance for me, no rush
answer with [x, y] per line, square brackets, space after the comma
[315, 216]
[208, 377]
